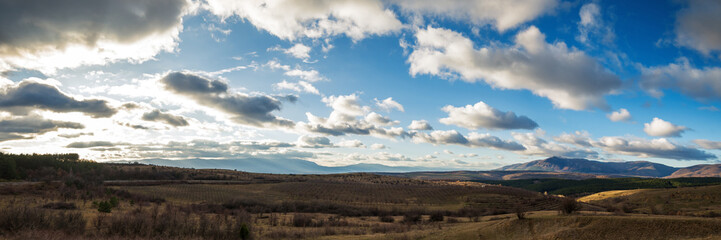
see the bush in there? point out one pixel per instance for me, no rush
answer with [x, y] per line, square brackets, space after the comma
[302, 220]
[244, 232]
[105, 207]
[437, 216]
[569, 205]
[411, 217]
[114, 202]
[388, 219]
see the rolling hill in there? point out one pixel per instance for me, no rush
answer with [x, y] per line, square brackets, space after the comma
[705, 170]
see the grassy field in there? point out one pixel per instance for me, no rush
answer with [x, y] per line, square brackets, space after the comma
[693, 201]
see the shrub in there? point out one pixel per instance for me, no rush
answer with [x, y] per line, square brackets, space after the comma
[105, 207]
[302, 220]
[569, 205]
[411, 217]
[244, 232]
[388, 219]
[114, 202]
[437, 216]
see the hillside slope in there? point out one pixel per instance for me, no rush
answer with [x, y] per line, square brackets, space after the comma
[577, 165]
[706, 170]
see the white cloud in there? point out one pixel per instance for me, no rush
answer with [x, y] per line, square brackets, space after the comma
[299, 51]
[579, 138]
[660, 128]
[480, 115]
[697, 26]
[502, 14]
[592, 25]
[661, 148]
[301, 86]
[351, 144]
[51, 35]
[698, 83]
[377, 146]
[381, 120]
[308, 75]
[291, 20]
[350, 117]
[420, 125]
[389, 104]
[568, 77]
[620, 115]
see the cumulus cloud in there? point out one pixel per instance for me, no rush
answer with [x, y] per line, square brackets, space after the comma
[568, 77]
[699, 83]
[660, 148]
[299, 51]
[389, 104]
[501, 14]
[75, 135]
[167, 118]
[622, 115]
[26, 127]
[697, 26]
[350, 117]
[707, 144]
[48, 35]
[32, 94]
[301, 86]
[313, 19]
[660, 128]
[420, 125]
[480, 115]
[245, 109]
[441, 137]
[314, 142]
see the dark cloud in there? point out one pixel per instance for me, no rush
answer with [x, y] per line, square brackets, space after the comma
[28, 95]
[90, 144]
[314, 142]
[187, 83]
[42, 26]
[30, 126]
[246, 109]
[170, 119]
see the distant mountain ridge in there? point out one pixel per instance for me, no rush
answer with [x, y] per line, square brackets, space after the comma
[579, 165]
[277, 166]
[553, 167]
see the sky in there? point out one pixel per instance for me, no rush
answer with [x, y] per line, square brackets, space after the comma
[461, 85]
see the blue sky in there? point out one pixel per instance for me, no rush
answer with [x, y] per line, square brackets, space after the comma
[488, 83]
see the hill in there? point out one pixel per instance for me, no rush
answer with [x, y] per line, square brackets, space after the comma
[705, 170]
[492, 175]
[577, 165]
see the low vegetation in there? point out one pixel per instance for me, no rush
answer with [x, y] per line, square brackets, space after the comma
[589, 186]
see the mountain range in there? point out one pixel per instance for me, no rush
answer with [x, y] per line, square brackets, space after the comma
[553, 167]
